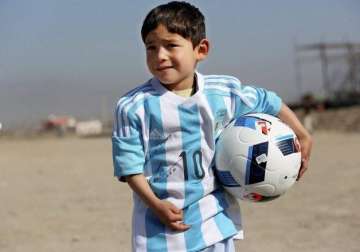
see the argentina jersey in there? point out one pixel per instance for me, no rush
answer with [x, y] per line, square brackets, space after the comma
[171, 140]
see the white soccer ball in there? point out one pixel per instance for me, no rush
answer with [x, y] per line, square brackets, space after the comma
[257, 157]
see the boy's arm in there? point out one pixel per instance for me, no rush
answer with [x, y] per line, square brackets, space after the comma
[305, 139]
[169, 214]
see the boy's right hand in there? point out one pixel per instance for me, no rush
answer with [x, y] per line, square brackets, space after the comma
[167, 212]
[170, 215]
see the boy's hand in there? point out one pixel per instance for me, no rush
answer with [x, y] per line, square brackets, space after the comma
[305, 147]
[171, 216]
[167, 212]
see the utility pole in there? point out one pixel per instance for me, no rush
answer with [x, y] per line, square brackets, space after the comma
[348, 51]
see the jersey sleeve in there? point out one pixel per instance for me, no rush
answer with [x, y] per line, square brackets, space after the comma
[251, 99]
[127, 144]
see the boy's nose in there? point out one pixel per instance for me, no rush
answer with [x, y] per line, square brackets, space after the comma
[162, 53]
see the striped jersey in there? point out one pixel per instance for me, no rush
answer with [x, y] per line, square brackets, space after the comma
[171, 140]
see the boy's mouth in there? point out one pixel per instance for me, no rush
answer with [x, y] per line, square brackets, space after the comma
[163, 68]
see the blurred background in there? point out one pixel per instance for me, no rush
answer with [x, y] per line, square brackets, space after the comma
[75, 58]
[65, 63]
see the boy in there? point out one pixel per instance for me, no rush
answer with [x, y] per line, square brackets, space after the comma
[164, 137]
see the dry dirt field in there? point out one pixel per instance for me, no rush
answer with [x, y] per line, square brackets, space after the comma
[59, 195]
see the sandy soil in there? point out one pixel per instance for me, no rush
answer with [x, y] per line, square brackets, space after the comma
[59, 195]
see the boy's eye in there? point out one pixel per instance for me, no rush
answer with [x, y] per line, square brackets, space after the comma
[172, 45]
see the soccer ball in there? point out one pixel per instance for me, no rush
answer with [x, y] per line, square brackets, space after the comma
[257, 157]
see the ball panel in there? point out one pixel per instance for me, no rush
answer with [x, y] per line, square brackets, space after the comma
[247, 122]
[286, 144]
[226, 179]
[255, 167]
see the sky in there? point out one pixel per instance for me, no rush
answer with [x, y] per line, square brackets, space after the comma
[77, 57]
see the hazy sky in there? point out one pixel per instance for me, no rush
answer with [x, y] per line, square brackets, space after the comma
[78, 56]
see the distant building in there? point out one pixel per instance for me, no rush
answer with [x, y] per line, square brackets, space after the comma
[89, 128]
[61, 124]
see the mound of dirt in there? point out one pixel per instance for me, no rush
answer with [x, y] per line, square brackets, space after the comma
[341, 119]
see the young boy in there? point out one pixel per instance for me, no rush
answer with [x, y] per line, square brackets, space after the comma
[164, 137]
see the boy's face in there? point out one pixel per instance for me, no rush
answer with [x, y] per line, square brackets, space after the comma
[172, 59]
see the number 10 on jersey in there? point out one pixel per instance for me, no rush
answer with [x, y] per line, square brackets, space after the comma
[192, 164]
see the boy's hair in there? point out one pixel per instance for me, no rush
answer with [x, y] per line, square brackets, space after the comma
[178, 17]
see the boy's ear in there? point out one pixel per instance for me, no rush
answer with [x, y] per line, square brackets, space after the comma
[202, 49]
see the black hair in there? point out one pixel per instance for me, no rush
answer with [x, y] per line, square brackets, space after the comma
[178, 17]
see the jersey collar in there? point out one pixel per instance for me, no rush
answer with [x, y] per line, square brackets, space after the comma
[177, 98]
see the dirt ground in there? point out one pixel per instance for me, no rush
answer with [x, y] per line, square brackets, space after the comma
[60, 195]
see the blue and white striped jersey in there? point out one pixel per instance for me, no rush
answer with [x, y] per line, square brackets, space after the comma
[171, 140]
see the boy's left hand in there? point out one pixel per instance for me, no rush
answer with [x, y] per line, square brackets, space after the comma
[305, 147]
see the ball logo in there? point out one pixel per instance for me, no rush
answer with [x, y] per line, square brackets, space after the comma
[253, 197]
[256, 197]
[261, 158]
[265, 127]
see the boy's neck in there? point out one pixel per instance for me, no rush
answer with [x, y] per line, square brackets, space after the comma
[189, 83]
